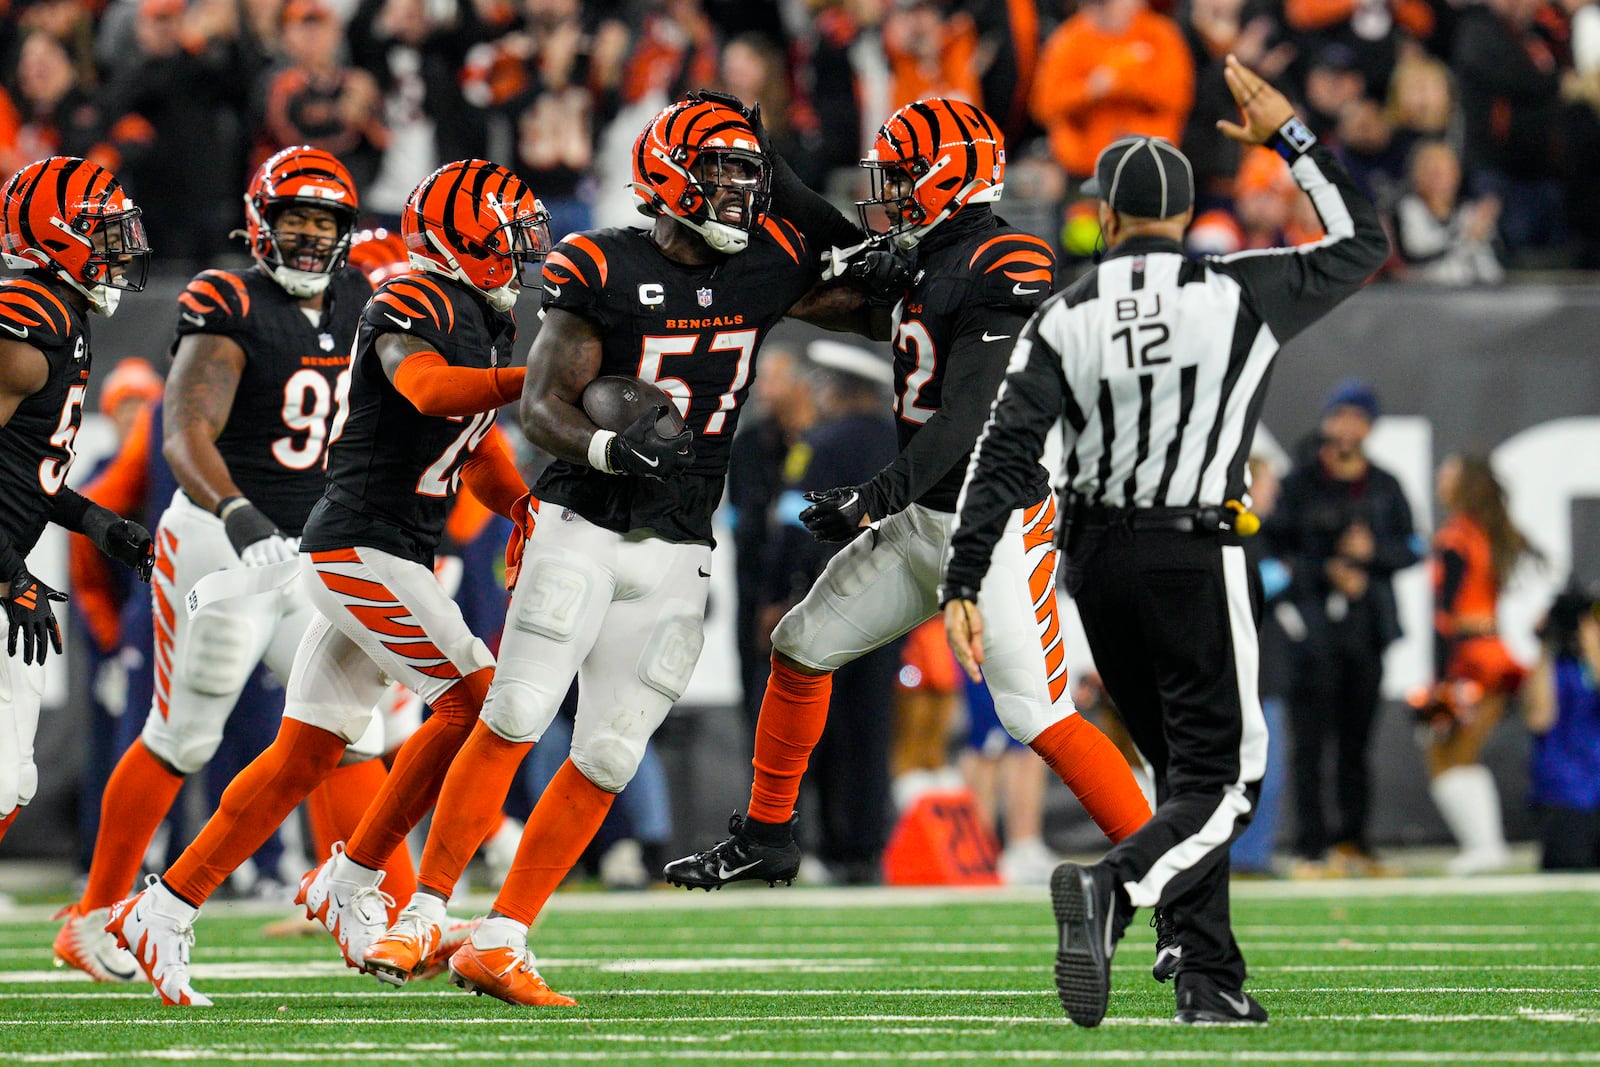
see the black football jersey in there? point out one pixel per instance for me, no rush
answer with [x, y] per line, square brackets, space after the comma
[36, 443]
[294, 383]
[393, 471]
[695, 332]
[954, 331]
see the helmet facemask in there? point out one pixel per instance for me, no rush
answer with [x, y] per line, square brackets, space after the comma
[302, 262]
[717, 172]
[119, 257]
[892, 210]
[524, 240]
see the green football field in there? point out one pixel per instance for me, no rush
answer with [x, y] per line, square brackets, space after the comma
[1415, 971]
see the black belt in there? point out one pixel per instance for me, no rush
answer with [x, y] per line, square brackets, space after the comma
[1210, 519]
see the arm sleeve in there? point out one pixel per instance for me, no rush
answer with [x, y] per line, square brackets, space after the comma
[974, 369]
[1292, 289]
[1001, 471]
[434, 387]
[491, 476]
[818, 221]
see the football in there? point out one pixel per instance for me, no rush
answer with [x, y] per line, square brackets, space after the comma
[614, 401]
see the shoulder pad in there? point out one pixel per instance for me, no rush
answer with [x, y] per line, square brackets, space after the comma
[414, 304]
[30, 312]
[1013, 269]
[216, 301]
[786, 235]
[577, 261]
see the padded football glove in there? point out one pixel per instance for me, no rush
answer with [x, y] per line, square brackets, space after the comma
[752, 114]
[642, 449]
[123, 540]
[27, 602]
[834, 514]
[883, 272]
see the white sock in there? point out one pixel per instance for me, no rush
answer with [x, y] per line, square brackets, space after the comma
[498, 931]
[428, 906]
[346, 869]
[169, 905]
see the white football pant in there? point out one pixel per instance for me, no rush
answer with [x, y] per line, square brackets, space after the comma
[885, 583]
[21, 688]
[624, 613]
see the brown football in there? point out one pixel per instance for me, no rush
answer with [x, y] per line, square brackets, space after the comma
[614, 402]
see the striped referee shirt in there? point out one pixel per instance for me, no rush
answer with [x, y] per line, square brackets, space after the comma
[1157, 365]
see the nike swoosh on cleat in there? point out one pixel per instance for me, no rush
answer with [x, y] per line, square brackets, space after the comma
[404, 324]
[1242, 1005]
[13, 330]
[1024, 290]
[995, 337]
[723, 872]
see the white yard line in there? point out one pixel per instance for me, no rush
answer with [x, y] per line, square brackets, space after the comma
[1098, 1055]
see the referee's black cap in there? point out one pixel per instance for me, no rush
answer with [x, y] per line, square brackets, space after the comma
[1143, 176]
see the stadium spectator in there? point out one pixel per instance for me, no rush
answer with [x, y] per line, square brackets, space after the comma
[1421, 102]
[1441, 239]
[316, 99]
[1368, 149]
[53, 112]
[847, 77]
[1269, 211]
[1474, 552]
[753, 69]
[71, 22]
[931, 53]
[675, 50]
[417, 56]
[1114, 68]
[925, 706]
[1009, 37]
[1562, 703]
[1333, 82]
[1373, 31]
[1508, 64]
[1344, 528]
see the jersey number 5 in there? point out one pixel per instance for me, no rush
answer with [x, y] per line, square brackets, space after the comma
[657, 349]
[53, 472]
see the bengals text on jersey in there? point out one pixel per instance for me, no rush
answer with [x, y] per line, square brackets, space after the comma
[294, 385]
[653, 313]
[393, 471]
[36, 445]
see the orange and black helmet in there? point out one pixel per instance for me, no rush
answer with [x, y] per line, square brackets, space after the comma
[931, 159]
[380, 255]
[303, 177]
[72, 218]
[477, 222]
[690, 148]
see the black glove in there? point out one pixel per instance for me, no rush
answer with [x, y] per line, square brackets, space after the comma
[834, 514]
[28, 611]
[752, 114]
[883, 272]
[122, 539]
[642, 448]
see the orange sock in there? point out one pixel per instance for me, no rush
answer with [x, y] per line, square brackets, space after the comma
[254, 805]
[1095, 771]
[418, 772]
[138, 796]
[562, 825]
[334, 810]
[793, 713]
[7, 820]
[469, 806]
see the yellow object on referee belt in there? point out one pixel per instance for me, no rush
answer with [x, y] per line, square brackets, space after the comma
[1246, 523]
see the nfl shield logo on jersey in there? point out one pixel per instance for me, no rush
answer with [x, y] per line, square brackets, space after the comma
[705, 297]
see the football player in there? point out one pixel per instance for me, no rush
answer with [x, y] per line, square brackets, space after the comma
[937, 166]
[69, 226]
[260, 370]
[614, 575]
[429, 372]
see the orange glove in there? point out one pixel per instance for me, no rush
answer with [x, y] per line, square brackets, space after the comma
[523, 517]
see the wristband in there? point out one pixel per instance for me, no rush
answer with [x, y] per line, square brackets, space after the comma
[11, 562]
[600, 451]
[948, 593]
[229, 504]
[1292, 140]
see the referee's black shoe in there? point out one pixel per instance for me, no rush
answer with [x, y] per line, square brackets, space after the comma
[1201, 1001]
[755, 851]
[1087, 927]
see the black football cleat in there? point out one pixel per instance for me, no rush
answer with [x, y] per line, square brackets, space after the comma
[1169, 953]
[1202, 1002]
[1085, 900]
[740, 858]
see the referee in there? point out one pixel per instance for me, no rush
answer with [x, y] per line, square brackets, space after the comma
[1157, 366]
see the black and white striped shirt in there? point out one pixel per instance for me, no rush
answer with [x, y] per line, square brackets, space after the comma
[1158, 365]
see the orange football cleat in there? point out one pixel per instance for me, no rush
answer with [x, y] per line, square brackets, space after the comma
[453, 936]
[505, 974]
[403, 948]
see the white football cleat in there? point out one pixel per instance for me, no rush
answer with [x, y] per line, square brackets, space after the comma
[82, 942]
[452, 937]
[158, 928]
[346, 899]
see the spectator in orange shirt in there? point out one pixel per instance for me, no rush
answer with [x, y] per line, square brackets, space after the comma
[930, 53]
[1113, 69]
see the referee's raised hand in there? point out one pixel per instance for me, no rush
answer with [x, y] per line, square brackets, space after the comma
[1264, 108]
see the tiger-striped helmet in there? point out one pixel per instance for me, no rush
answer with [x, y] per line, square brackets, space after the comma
[380, 255]
[931, 159]
[688, 150]
[477, 222]
[72, 218]
[303, 177]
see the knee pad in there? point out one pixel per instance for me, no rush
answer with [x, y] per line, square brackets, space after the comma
[184, 750]
[608, 760]
[553, 598]
[219, 652]
[519, 710]
[670, 654]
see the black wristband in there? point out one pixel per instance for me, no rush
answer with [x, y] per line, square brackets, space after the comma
[67, 509]
[96, 521]
[1292, 140]
[246, 524]
[949, 592]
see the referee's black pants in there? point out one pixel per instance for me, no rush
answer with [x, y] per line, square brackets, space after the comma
[1171, 619]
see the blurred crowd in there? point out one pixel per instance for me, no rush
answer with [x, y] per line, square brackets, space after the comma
[1473, 122]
